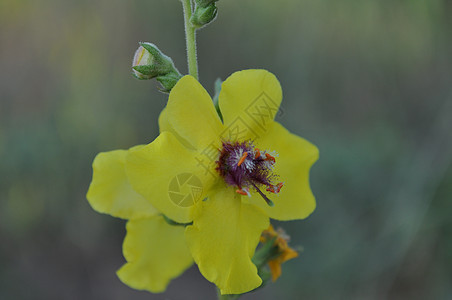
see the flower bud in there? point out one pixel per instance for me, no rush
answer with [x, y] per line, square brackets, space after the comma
[142, 57]
[149, 62]
[203, 15]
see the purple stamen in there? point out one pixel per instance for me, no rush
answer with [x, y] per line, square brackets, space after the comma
[243, 166]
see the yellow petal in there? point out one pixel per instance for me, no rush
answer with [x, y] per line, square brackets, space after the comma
[164, 125]
[249, 101]
[223, 238]
[110, 191]
[191, 113]
[155, 252]
[294, 160]
[168, 175]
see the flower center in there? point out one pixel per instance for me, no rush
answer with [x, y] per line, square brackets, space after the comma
[246, 167]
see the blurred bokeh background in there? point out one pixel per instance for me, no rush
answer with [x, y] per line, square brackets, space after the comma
[368, 82]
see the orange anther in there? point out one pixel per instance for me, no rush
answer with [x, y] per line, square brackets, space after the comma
[242, 159]
[275, 189]
[241, 192]
[269, 157]
[258, 153]
[271, 189]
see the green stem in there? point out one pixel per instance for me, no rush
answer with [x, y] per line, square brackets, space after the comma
[190, 36]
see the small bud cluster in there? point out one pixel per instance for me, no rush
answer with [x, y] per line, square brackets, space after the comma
[204, 13]
[275, 251]
[149, 62]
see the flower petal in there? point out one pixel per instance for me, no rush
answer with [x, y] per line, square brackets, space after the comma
[156, 252]
[249, 101]
[168, 175]
[295, 158]
[223, 238]
[110, 191]
[190, 111]
[164, 125]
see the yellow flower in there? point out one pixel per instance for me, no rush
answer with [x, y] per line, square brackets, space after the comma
[227, 177]
[155, 251]
[285, 253]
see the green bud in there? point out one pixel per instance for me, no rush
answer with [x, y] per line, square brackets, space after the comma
[142, 59]
[149, 62]
[203, 15]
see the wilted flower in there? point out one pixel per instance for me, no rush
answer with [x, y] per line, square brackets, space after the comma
[283, 251]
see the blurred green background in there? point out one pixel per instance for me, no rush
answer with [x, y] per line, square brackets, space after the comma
[368, 82]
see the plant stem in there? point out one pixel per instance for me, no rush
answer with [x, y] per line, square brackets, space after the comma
[190, 37]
